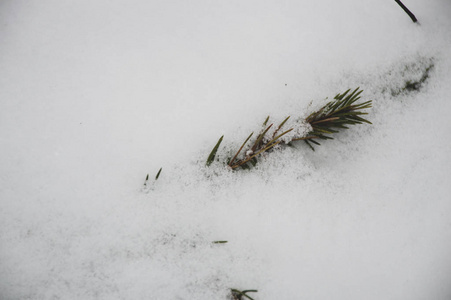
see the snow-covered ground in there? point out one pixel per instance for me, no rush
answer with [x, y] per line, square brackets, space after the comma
[94, 95]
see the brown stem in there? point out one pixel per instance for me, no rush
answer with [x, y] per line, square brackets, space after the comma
[325, 120]
[305, 138]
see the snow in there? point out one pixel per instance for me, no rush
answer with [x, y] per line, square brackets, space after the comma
[96, 95]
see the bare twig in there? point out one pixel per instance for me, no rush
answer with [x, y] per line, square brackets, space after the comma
[411, 15]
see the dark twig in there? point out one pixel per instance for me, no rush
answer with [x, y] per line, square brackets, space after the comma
[411, 15]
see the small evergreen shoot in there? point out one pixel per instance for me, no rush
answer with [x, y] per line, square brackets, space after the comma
[407, 11]
[158, 174]
[337, 114]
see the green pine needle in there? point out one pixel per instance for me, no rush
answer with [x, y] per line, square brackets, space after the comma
[158, 174]
[280, 126]
[145, 181]
[260, 137]
[212, 155]
[241, 148]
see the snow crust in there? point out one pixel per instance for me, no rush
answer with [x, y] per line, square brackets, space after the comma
[94, 95]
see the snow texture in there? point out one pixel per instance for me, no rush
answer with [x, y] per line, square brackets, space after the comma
[95, 95]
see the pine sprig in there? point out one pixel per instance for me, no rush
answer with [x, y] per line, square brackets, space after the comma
[338, 114]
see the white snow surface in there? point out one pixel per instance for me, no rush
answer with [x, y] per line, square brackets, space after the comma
[95, 95]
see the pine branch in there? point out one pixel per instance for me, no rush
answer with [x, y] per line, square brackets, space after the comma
[336, 115]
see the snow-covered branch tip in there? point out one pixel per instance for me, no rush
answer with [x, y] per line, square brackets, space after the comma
[337, 114]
